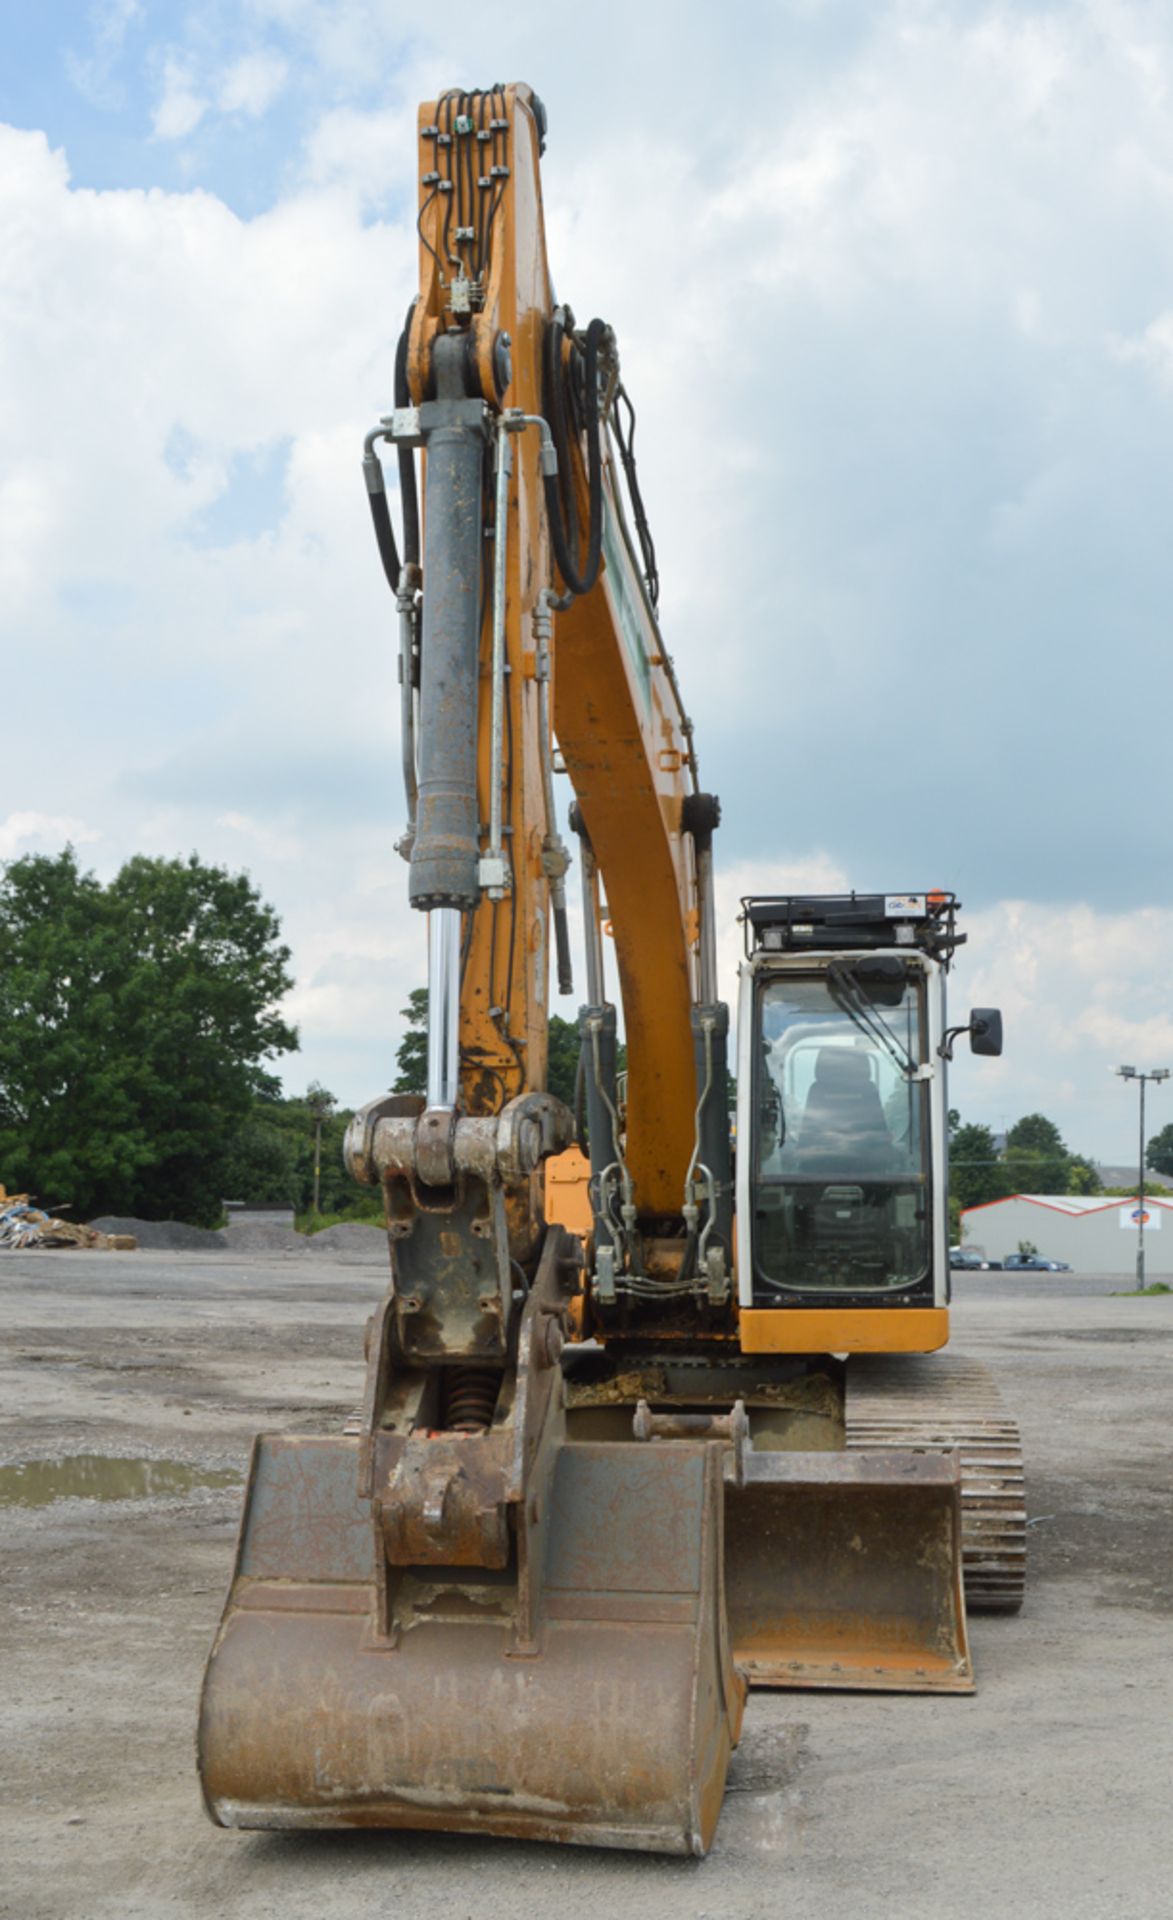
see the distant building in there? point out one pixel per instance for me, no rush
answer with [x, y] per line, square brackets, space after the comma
[257, 1213]
[1124, 1177]
[1093, 1233]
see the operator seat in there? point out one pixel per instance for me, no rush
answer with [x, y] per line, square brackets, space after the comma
[843, 1131]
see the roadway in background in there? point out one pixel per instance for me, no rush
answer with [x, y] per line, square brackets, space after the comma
[1038, 1286]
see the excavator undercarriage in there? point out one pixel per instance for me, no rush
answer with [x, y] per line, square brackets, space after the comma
[644, 1423]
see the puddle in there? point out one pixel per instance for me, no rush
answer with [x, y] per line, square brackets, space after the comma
[97, 1476]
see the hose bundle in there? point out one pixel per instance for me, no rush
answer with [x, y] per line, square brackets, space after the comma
[561, 407]
[408, 491]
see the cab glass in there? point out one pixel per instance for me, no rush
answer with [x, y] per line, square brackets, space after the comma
[842, 1200]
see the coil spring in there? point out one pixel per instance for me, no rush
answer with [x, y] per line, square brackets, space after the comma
[469, 1398]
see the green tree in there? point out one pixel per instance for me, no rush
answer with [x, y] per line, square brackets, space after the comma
[321, 1104]
[1082, 1176]
[1035, 1157]
[1159, 1152]
[294, 1120]
[975, 1172]
[135, 1023]
[261, 1164]
[562, 1059]
[1034, 1133]
[411, 1057]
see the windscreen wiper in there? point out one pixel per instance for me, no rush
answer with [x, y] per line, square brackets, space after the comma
[848, 994]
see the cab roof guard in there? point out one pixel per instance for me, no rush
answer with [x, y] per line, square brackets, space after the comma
[852, 922]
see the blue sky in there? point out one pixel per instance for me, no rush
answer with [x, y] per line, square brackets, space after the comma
[893, 285]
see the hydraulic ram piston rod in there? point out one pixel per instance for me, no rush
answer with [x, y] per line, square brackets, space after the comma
[443, 1006]
[493, 868]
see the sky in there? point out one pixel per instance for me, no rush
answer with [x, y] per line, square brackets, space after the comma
[893, 287]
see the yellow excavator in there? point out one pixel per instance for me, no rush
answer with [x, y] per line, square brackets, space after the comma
[654, 1408]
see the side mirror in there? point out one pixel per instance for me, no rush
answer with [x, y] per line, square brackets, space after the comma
[985, 1031]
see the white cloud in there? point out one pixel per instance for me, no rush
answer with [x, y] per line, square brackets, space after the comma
[93, 73]
[279, 846]
[252, 83]
[800, 873]
[360, 149]
[238, 700]
[26, 520]
[907, 484]
[1153, 348]
[180, 107]
[24, 832]
[1081, 991]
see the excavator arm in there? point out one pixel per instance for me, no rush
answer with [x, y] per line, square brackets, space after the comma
[588, 1467]
[452, 1617]
[537, 619]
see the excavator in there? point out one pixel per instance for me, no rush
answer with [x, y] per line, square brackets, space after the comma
[654, 1408]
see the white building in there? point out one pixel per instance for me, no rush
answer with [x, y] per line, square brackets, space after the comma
[1093, 1233]
[257, 1213]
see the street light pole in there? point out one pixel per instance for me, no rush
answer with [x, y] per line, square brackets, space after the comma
[1140, 1192]
[321, 1105]
[1156, 1074]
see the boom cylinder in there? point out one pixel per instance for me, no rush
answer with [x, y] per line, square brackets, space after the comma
[710, 1040]
[446, 851]
[600, 1045]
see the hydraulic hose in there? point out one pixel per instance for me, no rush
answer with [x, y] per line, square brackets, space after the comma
[563, 529]
[381, 517]
[408, 491]
[562, 947]
[580, 1132]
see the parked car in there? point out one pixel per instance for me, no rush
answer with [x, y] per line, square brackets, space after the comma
[1033, 1263]
[969, 1260]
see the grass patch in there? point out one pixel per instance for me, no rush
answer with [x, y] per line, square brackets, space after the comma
[1144, 1293]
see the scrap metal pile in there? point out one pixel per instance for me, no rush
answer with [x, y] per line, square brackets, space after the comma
[22, 1226]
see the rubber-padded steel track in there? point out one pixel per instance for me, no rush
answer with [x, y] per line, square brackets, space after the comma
[942, 1401]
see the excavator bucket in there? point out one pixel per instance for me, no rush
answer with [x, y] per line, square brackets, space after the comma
[844, 1571]
[345, 1692]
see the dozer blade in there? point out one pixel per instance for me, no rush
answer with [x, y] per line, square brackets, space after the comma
[844, 1570]
[345, 1692]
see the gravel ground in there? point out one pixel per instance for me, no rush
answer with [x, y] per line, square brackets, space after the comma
[1045, 1795]
[353, 1238]
[163, 1236]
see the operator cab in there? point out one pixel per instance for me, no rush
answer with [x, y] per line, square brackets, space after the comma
[842, 1140]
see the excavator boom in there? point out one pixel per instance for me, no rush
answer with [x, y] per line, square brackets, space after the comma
[611, 1465]
[453, 1618]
